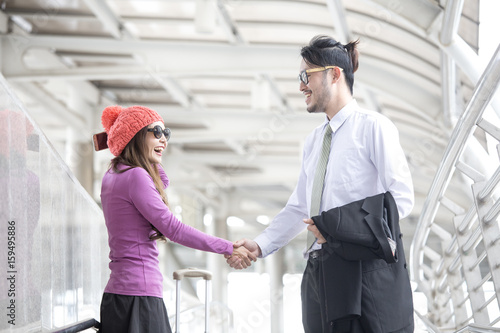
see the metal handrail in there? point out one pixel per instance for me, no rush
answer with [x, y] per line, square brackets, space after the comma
[426, 261]
[79, 326]
[463, 130]
[478, 329]
[428, 325]
[471, 328]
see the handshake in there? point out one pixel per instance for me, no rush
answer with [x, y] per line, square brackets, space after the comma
[244, 252]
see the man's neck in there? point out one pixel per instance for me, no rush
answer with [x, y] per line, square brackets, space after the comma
[337, 106]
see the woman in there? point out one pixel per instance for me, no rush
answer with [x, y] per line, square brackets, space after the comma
[136, 213]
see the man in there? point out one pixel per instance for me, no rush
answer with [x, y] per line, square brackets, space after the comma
[363, 159]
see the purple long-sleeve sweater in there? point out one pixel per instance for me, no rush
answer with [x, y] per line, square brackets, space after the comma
[131, 204]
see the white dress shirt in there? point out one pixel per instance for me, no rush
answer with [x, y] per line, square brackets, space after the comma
[365, 159]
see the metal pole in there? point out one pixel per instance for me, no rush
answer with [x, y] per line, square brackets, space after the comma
[177, 304]
[448, 86]
[207, 305]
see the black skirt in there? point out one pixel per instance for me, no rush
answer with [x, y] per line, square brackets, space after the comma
[133, 314]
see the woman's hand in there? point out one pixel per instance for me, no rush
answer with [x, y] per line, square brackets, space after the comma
[244, 252]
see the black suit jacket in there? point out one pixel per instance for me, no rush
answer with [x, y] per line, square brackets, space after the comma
[360, 276]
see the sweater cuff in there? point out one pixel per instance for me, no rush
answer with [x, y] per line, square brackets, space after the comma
[228, 249]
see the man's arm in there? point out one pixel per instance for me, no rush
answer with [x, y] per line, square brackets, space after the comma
[388, 157]
[286, 225]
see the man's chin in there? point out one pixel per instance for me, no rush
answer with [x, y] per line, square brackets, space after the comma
[312, 109]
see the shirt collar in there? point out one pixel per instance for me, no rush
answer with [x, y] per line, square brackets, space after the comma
[342, 115]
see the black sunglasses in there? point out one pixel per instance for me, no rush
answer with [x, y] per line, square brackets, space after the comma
[158, 132]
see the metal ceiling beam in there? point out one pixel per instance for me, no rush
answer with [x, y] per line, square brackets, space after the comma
[176, 54]
[110, 21]
[421, 13]
[257, 58]
[25, 14]
[283, 99]
[235, 146]
[77, 73]
[338, 13]
[22, 23]
[98, 58]
[124, 72]
[228, 25]
[451, 20]
[177, 92]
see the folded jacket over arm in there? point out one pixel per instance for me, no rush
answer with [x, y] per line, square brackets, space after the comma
[357, 231]
[360, 276]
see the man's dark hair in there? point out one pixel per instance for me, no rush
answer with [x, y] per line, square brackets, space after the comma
[326, 51]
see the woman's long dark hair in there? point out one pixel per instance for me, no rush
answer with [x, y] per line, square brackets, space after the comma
[135, 155]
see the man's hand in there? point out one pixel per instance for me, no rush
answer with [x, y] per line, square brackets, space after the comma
[244, 251]
[311, 227]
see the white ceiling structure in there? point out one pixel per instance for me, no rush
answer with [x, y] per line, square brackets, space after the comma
[223, 74]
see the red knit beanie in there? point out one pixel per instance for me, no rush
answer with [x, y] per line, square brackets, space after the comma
[121, 124]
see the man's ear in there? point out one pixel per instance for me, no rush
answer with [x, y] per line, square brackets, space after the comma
[336, 73]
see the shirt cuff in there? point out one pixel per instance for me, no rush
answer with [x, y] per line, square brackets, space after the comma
[263, 242]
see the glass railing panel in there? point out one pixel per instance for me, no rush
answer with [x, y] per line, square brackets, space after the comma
[53, 239]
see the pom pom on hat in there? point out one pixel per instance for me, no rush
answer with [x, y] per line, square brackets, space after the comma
[109, 116]
[122, 124]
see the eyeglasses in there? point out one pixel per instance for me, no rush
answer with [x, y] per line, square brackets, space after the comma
[304, 75]
[158, 132]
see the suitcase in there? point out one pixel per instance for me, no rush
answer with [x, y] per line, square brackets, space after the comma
[191, 273]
